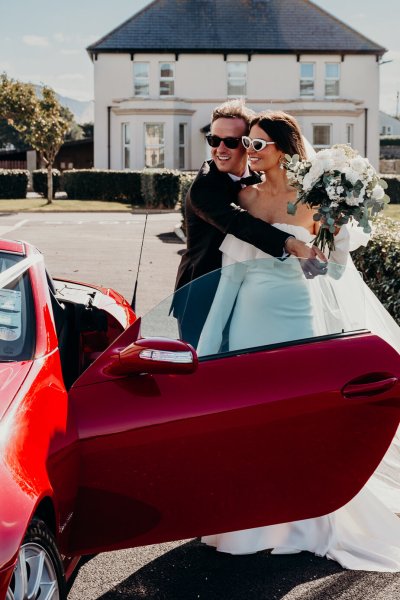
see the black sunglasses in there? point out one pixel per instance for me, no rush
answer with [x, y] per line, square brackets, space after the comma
[230, 142]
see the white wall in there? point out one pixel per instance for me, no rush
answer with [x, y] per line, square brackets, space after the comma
[201, 84]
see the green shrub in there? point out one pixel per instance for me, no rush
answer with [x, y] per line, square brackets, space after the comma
[161, 187]
[95, 184]
[393, 189]
[39, 181]
[389, 140]
[13, 183]
[379, 262]
[156, 188]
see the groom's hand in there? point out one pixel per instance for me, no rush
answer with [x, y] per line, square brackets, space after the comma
[313, 260]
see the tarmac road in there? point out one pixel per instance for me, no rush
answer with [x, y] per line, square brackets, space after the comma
[104, 248]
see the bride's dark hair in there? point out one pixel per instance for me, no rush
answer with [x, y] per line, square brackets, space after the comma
[283, 129]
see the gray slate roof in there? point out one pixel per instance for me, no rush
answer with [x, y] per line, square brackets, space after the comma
[260, 26]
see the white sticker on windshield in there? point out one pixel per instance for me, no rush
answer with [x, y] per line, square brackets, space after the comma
[10, 314]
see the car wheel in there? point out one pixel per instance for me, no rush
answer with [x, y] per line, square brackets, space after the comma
[39, 572]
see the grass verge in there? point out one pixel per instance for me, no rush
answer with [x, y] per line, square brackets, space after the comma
[40, 205]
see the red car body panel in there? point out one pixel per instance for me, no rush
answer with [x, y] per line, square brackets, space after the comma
[12, 375]
[121, 461]
[161, 444]
[38, 437]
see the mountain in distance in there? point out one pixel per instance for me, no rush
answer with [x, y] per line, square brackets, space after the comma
[83, 111]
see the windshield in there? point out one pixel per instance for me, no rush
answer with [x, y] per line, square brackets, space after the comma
[259, 303]
[17, 315]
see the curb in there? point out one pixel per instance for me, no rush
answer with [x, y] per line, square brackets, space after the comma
[116, 212]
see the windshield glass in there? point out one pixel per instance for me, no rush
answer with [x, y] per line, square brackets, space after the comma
[17, 315]
[260, 303]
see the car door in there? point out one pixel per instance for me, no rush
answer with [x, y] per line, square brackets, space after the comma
[254, 436]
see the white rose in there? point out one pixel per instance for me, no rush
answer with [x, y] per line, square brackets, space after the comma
[358, 164]
[353, 201]
[351, 176]
[378, 192]
[317, 169]
[307, 182]
[339, 159]
[328, 164]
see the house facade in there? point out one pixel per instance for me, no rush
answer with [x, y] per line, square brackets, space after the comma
[388, 125]
[159, 75]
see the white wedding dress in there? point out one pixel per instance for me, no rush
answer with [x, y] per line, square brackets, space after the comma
[365, 533]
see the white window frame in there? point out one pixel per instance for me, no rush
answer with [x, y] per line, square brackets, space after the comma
[350, 134]
[308, 79]
[182, 145]
[236, 81]
[163, 79]
[153, 146]
[329, 80]
[126, 145]
[321, 146]
[143, 80]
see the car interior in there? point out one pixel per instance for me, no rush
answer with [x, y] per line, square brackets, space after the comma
[84, 331]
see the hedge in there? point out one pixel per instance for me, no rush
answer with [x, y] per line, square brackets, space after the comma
[393, 189]
[13, 183]
[95, 184]
[390, 140]
[151, 187]
[379, 262]
[39, 181]
[160, 187]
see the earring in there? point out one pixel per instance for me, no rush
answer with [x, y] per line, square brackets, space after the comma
[281, 164]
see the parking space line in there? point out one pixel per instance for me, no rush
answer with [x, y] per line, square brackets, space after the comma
[6, 229]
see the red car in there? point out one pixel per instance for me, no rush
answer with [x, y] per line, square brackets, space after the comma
[110, 438]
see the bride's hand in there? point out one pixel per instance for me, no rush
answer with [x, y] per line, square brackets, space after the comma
[313, 261]
[301, 250]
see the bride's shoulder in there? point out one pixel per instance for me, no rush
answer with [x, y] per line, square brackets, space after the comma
[248, 195]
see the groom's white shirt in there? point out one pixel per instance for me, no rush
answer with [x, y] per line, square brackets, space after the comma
[236, 178]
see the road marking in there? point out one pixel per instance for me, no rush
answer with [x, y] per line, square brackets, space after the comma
[6, 229]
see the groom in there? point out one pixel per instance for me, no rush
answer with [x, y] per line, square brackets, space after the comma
[212, 212]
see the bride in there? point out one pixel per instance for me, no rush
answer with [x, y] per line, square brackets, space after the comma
[365, 533]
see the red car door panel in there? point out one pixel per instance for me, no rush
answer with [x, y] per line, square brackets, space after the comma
[251, 439]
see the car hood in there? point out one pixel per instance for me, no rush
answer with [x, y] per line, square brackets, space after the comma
[12, 376]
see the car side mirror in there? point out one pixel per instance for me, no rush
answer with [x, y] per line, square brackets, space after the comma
[154, 355]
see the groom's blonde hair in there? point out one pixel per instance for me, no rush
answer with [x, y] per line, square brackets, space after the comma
[233, 109]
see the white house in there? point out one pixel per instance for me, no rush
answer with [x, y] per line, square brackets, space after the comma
[388, 125]
[159, 75]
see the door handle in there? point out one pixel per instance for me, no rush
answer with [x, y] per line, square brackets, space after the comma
[368, 388]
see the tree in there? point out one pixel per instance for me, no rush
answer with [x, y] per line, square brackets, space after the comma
[10, 139]
[41, 121]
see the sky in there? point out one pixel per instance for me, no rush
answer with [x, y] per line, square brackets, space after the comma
[44, 42]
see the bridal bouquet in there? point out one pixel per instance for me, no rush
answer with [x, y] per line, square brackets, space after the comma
[340, 185]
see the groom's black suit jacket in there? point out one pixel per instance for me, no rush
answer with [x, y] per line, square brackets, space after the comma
[211, 213]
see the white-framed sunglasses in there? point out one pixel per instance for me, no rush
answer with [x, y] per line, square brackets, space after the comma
[257, 143]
